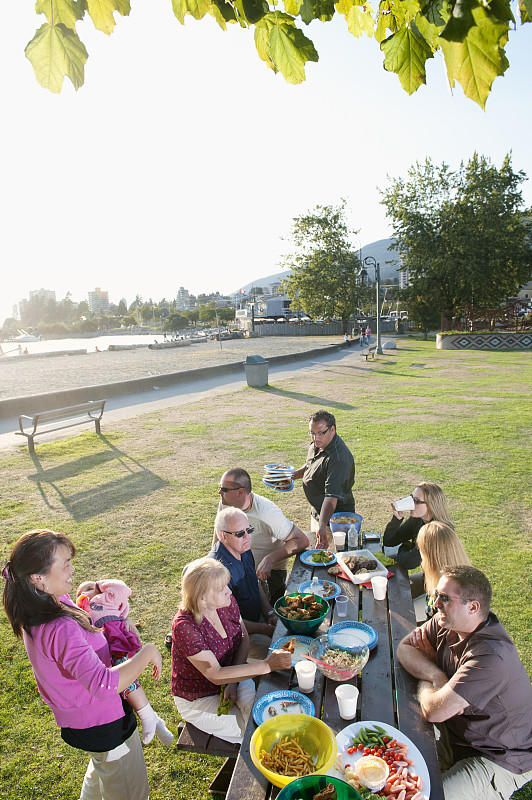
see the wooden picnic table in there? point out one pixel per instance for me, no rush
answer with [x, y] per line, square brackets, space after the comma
[387, 691]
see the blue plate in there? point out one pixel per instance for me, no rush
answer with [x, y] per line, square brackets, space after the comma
[306, 558]
[278, 488]
[305, 586]
[274, 699]
[338, 634]
[279, 468]
[302, 645]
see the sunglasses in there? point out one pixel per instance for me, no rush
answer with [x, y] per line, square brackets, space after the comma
[446, 597]
[417, 501]
[240, 534]
[318, 433]
[225, 489]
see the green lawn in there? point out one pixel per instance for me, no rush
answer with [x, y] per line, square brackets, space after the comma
[139, 504]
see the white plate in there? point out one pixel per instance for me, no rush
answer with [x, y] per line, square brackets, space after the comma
[344, 738]
[363, 577]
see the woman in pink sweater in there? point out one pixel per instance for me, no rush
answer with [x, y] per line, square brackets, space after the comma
[72, 666]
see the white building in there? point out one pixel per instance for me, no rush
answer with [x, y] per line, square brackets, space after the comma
[98, 301]
[42, 294]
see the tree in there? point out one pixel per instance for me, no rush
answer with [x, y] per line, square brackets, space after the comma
[175, 322]
[471, 34]
[462, 234]
[325, 270]
[422, 308]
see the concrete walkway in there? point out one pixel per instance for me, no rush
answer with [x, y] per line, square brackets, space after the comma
[127, 406]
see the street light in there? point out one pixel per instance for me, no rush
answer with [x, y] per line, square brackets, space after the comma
[370, 261]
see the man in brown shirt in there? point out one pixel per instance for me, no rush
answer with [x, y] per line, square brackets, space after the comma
[473, 685]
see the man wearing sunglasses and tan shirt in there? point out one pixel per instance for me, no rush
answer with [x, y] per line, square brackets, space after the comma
[274, 539]
[233, 549]
[474, 687]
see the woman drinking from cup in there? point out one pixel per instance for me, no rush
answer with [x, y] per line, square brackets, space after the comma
[209, 650]
[440, 548]
[427, 503]
[72, 666]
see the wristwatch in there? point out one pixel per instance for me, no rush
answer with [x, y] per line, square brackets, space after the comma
[270, 613]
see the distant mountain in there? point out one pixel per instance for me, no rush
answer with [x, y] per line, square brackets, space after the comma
[379, 251]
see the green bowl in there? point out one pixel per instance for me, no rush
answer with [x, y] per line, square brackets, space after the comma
[306, 787]
[303, 626]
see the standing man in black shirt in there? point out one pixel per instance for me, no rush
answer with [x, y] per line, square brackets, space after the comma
[328, 475]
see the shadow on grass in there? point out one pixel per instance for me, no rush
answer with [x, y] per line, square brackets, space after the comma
[305, 398]
[135, 481]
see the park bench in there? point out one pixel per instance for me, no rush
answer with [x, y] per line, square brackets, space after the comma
[192, 740]
[83, 412]
[369, 351]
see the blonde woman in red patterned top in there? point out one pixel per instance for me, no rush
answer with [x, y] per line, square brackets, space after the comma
[209, 650]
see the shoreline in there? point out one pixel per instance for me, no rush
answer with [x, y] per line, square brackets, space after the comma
[65, 381]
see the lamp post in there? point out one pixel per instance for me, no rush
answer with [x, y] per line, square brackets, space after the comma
[371, 262]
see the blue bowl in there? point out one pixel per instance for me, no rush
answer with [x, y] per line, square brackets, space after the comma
[337, 526]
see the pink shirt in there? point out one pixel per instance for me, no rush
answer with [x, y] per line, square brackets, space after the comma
[190, 638]
[72, 671]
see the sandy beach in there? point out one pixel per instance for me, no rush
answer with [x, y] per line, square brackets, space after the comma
[21, 377]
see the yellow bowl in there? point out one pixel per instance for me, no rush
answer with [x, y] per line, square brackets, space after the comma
[314, 736]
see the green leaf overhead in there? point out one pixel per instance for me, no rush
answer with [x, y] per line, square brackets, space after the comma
[479, 58]
[56, 52]
[472, 33]
[66, 11]
[290, 50]
[405, 53]
[255, 9]
[101, 13]
[316, 9]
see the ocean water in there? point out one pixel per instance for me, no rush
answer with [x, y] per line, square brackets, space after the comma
[10, 349]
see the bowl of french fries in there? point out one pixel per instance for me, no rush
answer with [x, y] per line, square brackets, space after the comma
[288, 747]
[301, 612]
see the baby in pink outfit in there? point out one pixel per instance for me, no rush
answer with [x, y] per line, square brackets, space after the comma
[106, 602]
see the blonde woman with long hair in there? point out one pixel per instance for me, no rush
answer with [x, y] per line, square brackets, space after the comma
[440, 549]
[430, 504]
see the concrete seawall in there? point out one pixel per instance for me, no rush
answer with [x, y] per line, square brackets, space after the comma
[14, 406]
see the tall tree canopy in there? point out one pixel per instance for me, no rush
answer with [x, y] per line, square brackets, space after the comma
[325, 270]
[462, 234]
[472, 35]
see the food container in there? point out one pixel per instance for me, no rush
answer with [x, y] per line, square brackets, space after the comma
[354, 519]
[306, 787]
[358, 653]
[314, 736]
[361, 577]
[372, 772]
[303, 626]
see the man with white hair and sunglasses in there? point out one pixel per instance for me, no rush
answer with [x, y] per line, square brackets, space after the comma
[475, 689]
[233, 549]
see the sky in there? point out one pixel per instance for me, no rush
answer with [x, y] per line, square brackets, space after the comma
[183, 160]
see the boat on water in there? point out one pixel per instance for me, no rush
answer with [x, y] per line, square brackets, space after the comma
[24, 336]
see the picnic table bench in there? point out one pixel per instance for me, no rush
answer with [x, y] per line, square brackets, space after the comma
[369, 351]
[79, 414]
[387, 692]
[192, 740]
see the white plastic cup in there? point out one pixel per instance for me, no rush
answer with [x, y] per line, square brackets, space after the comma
[306, 673]
[404, 504]
[347, 696]
[339, 539]
[341, 605]
[379, 584]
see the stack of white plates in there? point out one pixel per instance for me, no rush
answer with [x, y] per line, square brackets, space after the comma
[279, 477]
